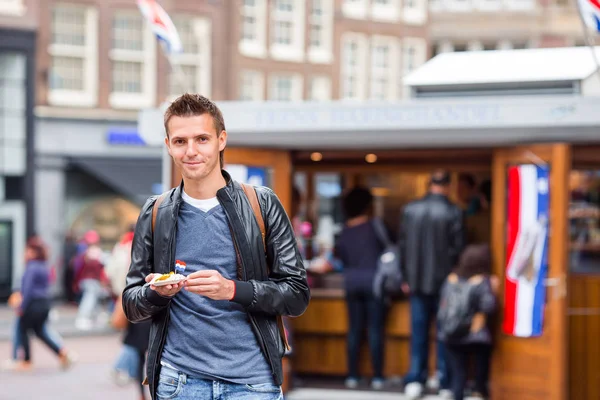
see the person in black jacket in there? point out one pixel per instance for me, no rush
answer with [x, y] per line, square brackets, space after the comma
[221, 336]
[431, 239]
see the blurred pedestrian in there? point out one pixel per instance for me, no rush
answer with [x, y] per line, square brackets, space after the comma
[35, 304]
[479, 224]
[91, 280]
[69, 253]
[130, 362]
[430, 241]
[467, 193]
[358, 247]
[16, 360]
[467, 302]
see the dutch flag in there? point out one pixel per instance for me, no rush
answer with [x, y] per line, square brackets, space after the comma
[527, 250]
[590, 11]
[161, 25]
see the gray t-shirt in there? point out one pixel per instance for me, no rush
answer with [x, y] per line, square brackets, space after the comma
[211, 339]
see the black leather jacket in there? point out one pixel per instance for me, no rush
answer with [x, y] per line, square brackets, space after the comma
[284, 292]
[431, 238]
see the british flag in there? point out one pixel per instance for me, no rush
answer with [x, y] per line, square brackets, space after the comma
[590, 11]
[161, 25]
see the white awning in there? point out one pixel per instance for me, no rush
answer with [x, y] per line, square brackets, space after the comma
[506, 66]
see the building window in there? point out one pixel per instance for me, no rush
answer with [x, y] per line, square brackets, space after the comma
[12, 7]
[385, 10]
[192, 69]
[133, 62]
[354, 48]
[414, 54]
[356, 9]
[73, 74]
[287, 30]
[283, 22]
[321, 31]
[414, 12]
[319, 88]
[253, 36]
[383, 68]
[584, 220]
[13, 95]
[252, 86]
[285, 88]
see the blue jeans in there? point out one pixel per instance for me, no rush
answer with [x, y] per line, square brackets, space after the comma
[48, 336]
[423, 310]
[128, 361]
[365, 310]
[173, 384]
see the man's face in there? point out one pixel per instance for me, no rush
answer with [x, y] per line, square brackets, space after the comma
[194, 145]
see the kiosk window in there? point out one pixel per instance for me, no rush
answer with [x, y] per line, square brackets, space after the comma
[584, 221]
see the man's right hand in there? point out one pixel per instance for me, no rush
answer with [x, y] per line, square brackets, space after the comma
[167, 290]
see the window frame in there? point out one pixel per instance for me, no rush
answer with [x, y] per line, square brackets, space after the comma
[293, 52]
[420, 44]
[355, 9]
[391, 74]
[322, 54]
[415, 15]
[88, 97]
[389, 12]
[12, 7]
[361, 67]
[146, 57]
[258, 87]
[255, 48]
[296, 87]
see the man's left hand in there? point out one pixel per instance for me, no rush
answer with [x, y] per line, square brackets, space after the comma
[210, 283]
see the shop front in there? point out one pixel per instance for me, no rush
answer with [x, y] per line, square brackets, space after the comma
[321, 150]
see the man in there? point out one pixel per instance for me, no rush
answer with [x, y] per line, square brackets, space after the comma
[431, 238]
[467, 193]
[478, 224]
[215, 335]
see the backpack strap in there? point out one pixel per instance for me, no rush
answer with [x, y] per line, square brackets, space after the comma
[380, 231]
[253, 198]
[157, 204]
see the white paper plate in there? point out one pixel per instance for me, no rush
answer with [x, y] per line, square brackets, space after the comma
[171, 281]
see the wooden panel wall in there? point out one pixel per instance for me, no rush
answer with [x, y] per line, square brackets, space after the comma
[584, 334]
[320, 340]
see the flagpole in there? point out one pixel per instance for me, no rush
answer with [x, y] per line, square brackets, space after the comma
[590, 43]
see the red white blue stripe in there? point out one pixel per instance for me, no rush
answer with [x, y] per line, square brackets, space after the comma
[527, 250]
[590, 11]
[161, 25]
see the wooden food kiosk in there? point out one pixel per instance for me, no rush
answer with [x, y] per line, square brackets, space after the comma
[554, 122]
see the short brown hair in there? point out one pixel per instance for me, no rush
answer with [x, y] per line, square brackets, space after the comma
[191, 105]
[38, 247]
[475, 260]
